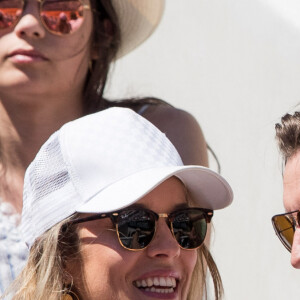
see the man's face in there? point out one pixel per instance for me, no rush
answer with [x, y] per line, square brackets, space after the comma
[291, 200]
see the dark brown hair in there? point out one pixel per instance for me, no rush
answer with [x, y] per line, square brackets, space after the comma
[106, 41]
[288, 135]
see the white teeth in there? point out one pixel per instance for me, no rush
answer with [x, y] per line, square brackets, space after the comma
[156, 282]
[149, 281]
[162, 281]
[169, 281]
[162, 291]
[144, 283]
[173, 282]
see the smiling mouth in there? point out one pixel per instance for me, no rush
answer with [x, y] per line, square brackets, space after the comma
[164, 285]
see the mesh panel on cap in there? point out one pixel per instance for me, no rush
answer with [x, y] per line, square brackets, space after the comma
[48, 178]
[47, 188]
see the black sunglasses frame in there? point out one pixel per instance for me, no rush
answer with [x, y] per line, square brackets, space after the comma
[294, 221]
[206, 213]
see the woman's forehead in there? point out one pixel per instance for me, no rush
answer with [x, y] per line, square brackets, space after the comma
[168, 196]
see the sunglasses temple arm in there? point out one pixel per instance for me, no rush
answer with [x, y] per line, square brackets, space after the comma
[87, 219]
[209, 216]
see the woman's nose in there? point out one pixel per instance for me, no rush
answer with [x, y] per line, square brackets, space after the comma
[163, 244]
[29, 25]
[295, 252]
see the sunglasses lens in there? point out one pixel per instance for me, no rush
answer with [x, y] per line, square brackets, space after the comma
[62, 17]
[136, 228]
[189, 227]
[285, 230]
[10, 12]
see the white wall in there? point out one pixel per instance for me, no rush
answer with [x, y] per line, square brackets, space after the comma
[235, 65]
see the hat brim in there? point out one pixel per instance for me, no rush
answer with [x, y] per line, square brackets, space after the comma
[206, 188]
[138, 19]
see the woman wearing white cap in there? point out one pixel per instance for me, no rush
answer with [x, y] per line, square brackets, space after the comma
[110, 212]
[54, 60]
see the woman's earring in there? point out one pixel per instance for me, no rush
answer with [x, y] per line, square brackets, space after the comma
[69, 296]
[66, 297]
[91, 66]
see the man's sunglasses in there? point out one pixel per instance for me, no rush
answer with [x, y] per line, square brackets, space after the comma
[136, 227]
[285, 226]
[58, 16]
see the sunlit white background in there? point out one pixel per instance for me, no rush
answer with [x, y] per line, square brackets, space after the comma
[235, 65]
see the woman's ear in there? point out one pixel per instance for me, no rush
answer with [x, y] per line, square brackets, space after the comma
[67, 279]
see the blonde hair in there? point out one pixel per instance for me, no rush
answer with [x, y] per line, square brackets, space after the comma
[198, 288]
[45, 272]
[44, 275]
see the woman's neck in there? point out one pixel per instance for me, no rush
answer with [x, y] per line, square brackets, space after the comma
[24, 128]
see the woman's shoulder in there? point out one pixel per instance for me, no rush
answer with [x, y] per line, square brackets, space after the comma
[183, 130]
[181, 127]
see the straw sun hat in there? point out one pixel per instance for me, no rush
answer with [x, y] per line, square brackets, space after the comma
[138, 20]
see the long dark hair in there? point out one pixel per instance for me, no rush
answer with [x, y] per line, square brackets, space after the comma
[106, 41]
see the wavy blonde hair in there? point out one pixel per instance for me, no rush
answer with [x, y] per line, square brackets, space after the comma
[44, 275]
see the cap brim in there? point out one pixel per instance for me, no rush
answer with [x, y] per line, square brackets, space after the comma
[207, 189]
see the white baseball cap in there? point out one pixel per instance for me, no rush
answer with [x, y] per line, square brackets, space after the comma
[104, 162]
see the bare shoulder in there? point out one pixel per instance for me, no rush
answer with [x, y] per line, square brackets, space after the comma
[183, 130]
